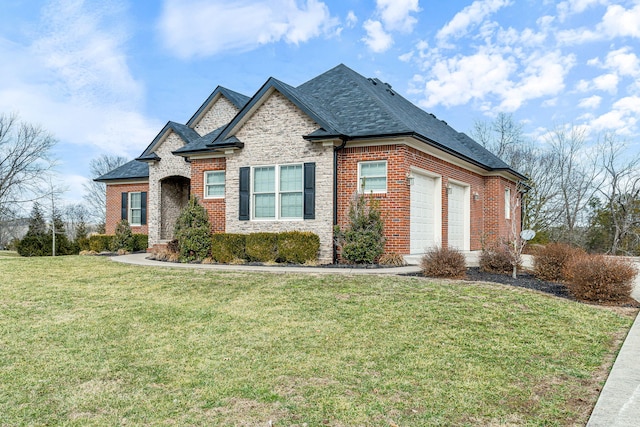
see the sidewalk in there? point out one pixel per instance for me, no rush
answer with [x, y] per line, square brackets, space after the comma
[619, 401]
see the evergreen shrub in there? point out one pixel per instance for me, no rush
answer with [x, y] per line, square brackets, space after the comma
[193, 232]
[298, 247]
[262, 247]
[226, 247]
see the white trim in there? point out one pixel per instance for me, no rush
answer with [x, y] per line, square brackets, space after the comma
[130, 209]
[206, 156]
[277, 193]
[466, 232]
[386, 177]
[204, 184]
[507, 203]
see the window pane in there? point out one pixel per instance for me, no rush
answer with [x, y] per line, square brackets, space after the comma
[215, 191]
[291, 178]
[135, 200]
[135, 216]
[373, 169]
[264, 180]
[215, 177]
[375, 184]
[291, 205]
[265, 205]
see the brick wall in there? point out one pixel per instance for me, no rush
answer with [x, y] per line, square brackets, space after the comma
[114, 204]
[487, 222]
[220, 113]
[215, 207]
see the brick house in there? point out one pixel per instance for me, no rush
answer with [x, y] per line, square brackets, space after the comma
[292, 158]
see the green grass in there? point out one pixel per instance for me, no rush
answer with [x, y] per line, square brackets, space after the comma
[85, 341]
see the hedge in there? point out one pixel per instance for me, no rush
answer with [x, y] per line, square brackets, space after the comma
[226, 247]
[103, 242]
[295, 247]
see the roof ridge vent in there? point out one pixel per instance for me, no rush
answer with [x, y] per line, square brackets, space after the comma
[433, 115]
[390, 91]
[444, 122]
[388, 85]
[372, 81]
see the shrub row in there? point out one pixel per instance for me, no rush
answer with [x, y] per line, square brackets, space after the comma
[107, 242]
[595, 278]
[295, 247]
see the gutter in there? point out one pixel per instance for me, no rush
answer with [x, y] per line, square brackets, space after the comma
[335, 190]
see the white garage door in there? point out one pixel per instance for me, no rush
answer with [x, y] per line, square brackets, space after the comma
[456, 217]
[422, 214]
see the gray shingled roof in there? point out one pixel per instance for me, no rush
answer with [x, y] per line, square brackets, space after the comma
[131, 170]
[369, 107]
[184, 132]
[344, 104]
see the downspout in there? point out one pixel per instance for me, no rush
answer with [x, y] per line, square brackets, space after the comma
[335, 191]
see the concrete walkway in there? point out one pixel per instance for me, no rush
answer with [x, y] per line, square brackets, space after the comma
[618, 404]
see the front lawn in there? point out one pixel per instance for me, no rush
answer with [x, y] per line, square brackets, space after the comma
[85, 341]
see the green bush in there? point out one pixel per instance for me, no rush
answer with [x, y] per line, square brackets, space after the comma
[193, 232]
[362, 241]
[444, 262]
[262, 247]
[100, 242]
[140, 242]
[298, 247]
[83, 243]
[123, 238]
[35, 245]
[226, 247]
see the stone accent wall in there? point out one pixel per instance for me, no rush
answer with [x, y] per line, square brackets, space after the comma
[114, 201]
[220, 113]
[487, 222]
[273, 136]
[169, 165]
[215, 207]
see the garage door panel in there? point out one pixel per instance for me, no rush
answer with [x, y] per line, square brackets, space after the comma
[456, 217]
[422, 232]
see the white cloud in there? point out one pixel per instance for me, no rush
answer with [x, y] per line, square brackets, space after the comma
[572, 7]
[74, 80]
[623, 117]
[377, 39]
[616, 22]
[591, 102]
[203, 28]
[471, 15]
[543, 76]
[352, 19]
[623, 62]
[456, 81]
[396, 14]
[606, 83]
[621, 22]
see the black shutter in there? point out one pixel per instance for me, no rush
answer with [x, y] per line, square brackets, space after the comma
[123, 208]
[143, 208]
[245, 193]
[309, 191]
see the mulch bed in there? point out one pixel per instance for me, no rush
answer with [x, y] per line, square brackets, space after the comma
[528, 281]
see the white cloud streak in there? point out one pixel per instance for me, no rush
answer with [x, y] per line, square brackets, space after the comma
[199, 28]
[469, 17]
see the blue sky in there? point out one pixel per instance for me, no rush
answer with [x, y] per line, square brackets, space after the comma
[104, 77]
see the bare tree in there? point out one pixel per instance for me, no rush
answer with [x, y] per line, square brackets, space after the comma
[505, 138]
[576, 176]
[76, 220]
[25, 163]
[95, 192]
[620, 188]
